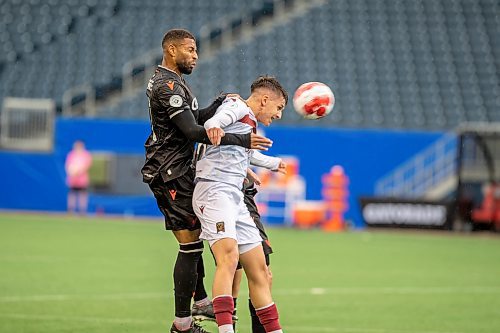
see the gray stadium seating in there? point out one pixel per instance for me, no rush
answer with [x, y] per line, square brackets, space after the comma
[428, 64]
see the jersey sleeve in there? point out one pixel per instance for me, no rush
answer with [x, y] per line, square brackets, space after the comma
[208, 112]
[228, 113]
[186, 123]
[172, 97]
[264, 161]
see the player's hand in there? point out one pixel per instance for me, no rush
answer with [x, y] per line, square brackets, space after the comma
[253, 176]
[282, 168]
[215, 134]
[232, 95]
[259, 142]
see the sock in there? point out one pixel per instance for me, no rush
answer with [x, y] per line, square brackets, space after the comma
[268, 316]
[234, 311]
[183, 324]
[185, 276]
[202, 302]
[223, 309]
[257, 327]
[200, 292]
[226, 329]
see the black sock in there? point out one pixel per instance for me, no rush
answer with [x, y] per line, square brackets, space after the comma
[200, 292]
[234, 312]
[185, 276]
[256, 325]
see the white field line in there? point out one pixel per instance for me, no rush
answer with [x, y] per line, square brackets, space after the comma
[69, 297]
[356, 330]
[282, 292]
[22, 316]
[390, 290]
[122, 321]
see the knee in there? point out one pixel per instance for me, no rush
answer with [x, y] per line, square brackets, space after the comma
[269, 276]
[228, 259]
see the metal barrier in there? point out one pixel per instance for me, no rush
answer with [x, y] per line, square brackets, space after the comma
[27, 124]
[417, 176]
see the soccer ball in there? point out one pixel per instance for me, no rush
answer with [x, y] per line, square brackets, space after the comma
[313, 100]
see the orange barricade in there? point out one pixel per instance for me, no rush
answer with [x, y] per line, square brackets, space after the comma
[335, 194]
[307, 214]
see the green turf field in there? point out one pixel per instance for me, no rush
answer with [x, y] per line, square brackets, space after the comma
[68, 274]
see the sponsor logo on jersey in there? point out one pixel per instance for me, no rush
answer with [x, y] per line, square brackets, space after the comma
[202, 208]
[229, 100]
[173, 193]
[220, 227]
[175, 101]
[170, 84]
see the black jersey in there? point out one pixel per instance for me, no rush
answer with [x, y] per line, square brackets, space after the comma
[168, 151]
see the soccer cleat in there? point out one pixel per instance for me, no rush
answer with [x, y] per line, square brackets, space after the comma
[195, 328]
[205, 312]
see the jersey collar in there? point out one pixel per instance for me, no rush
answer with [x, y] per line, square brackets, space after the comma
[168, 69]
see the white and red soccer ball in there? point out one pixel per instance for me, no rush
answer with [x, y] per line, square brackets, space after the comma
[313, 100]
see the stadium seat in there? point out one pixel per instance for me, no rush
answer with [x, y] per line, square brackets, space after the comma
[410, 63]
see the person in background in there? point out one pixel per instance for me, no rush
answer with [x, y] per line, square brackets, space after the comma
[77, 165]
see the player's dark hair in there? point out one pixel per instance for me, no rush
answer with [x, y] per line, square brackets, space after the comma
[271, 83]
[174, 35]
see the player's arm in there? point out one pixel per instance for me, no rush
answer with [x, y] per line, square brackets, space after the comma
[186, 122]
[228, 113]
[268, 162]
[174, 101]
[209, 111]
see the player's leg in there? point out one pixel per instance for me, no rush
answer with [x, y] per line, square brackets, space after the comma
[214, 204]
[238, 275]
[71, 201]
[83, 201]
[186, 274]
[257, 273]
[174, 200]
[249, 193]
[226, 255]
[257, 326]
[202, 307]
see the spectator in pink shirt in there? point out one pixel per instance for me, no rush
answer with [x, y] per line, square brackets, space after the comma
[77, 167]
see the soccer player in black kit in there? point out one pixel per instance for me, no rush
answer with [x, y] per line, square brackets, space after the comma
[168, 168]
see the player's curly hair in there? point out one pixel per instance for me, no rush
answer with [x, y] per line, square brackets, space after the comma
[269, 82]
[176, 35]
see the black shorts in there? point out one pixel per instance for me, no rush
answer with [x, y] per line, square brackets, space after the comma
[77, 189]
[248, 197]
[174, 199]
[254, 213]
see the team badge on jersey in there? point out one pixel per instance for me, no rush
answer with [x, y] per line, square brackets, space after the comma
[220, 227]
[175, 101]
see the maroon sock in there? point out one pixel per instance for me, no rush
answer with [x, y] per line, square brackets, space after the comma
[268, 317]
[223, 309]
